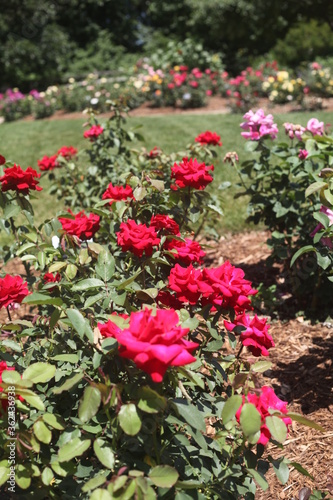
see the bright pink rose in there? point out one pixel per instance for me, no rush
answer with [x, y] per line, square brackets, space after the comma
[315, 126]
[209, 92]
[2, 160]
[117, 193]
[190, 173]
[67, 152]
[185, 282]
[137, 238]
[258, 125]
[19, 180]
[93, 132]
[193, 84]
[210, 138]
[81, 226]
[255, 336]
[225, 287]
[303, 153]
[185, 252]
[325, 241]
[267, 400]
[48, 163]
[155, 342]
[12, 289]
[165, 224]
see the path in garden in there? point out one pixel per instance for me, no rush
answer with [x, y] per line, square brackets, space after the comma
[301, 374]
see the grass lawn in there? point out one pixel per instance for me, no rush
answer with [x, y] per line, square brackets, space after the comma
[25, 142]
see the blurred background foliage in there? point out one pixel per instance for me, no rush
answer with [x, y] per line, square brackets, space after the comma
[45, 41]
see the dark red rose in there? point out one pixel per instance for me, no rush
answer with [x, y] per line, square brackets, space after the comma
[185, 282]
[137, 238]
[12, 289]
[81, 226]
[165, 298]
[48, 163]
[117, 193]
[185, 252]
[19, 180]
[165, 224]
[2, 160]
[191, 173]
[51, 278]
[210, 138]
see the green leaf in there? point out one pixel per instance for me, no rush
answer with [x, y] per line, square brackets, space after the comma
[277, 428]
[139, 193]
[104, 453]
[39, 373]
[57, 266]
[105, 266]
[74, 448]
[11, 377]
[129, 419]
[128, 281]
[301, 251]
[250, 420]
[230, 408]
[190, 414]
[11, 211]
[163, 476]
[37, 298]
[31, 398]
[95, 482]
[150, 401]
[195, 378]
[42, 432]
[281, 470]
[4, 475]
[47, 476]
[101, 495]
[323, 261]
[301, 469]
[315, 186]
[80, 324]
[71, 271]
[69, 358]
[89, 404]
[22, 477]
[259, 478]
[305, 421]
[54, 421]
[87, 284]
[261, 366]
[70, 382]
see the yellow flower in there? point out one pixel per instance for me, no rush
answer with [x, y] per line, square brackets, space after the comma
[176, 68]
[271, 79]
[290, 87]
[282, 75]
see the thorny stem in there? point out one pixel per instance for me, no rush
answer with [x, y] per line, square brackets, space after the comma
[9, 316]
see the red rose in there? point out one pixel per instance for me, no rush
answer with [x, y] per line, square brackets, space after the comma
[209, 138]
[12, 289]
[164, 223]
[111, 328]
[67, 152]
[51, 278]
[48, 163]
[267, 400]
[255, 336]
[117, 193]
[93, 132]
[2, 160]
[185, 282]
[165, 298]
[4, 367]
[191, 173]
[137, 238]
[154, 342]
[226, 287]
[185, 252]
[19, 180]
[81, 226]
[156, 151]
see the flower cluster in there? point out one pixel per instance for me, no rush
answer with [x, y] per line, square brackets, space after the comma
[258, 125]
[93, 132]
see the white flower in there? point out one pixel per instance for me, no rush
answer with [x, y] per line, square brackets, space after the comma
[94, 101]
[55, 241]
[186, 97]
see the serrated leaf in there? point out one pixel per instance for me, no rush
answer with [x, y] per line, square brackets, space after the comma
[163, 476]
[104, 453]
[74, 448]
[129, 419]
[39, 372]
[57, 266]
[89, 404]
[31, 398]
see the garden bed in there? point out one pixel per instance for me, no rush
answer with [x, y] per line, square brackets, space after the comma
[301, 373]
